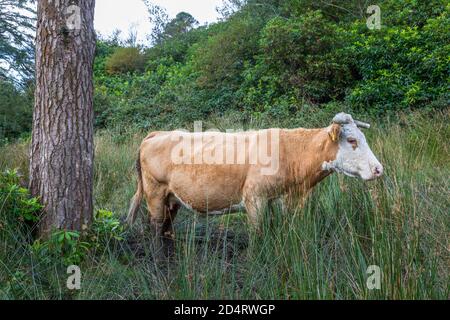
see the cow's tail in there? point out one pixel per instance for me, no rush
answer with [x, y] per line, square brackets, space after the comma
[136, 201]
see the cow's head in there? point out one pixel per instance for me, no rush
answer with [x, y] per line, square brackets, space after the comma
[354, 157]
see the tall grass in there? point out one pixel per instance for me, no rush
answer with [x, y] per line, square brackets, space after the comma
[322, 251]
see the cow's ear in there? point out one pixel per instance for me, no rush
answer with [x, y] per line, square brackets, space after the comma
[334, 132]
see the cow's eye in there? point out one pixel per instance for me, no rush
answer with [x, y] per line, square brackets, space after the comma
[352, 141]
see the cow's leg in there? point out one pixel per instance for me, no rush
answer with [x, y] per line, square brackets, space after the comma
[157, 209]
[171, 213]
[172, 207]
[156, 203]
[254, 206]
[167, 228]
[294, 201]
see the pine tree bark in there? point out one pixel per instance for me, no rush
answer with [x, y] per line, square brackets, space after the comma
[62, 151]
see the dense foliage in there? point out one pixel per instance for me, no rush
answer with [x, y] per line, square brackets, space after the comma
[284, 58]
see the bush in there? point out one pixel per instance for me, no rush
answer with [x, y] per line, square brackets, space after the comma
[401, 67]
[72, 247]
[175, 49]
[105, 228]
[299, 62]
[125, 60]
[16, 203]
[63, 246]
[223, 56]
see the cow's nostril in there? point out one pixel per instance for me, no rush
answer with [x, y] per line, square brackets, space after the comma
[378, 171]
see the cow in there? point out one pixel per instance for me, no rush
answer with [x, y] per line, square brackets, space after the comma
[216, 173]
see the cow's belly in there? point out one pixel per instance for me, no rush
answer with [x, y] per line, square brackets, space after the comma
[205, 190]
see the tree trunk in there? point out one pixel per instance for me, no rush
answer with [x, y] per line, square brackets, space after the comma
[62, 152]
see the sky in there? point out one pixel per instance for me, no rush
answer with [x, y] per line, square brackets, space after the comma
[126, 14]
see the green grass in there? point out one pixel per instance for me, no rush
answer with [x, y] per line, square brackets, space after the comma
[399, 222]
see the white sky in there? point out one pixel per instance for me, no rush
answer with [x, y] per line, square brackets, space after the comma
[123, 14]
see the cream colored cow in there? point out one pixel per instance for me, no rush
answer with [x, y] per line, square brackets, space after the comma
[216, 173]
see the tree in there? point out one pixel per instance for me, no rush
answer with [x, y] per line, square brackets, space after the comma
[159, 18]
[62, 153]
[163, 27]
[17, 20]
[229, 7]
[181, 24]
[125, 60]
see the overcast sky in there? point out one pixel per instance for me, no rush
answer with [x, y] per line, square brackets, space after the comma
[123, 14]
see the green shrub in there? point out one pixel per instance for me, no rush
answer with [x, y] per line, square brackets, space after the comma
[401, 67]
[411, 13]
[63, 246]
[103, 50]
[15, 201]
[175, 49]
[223, 56]
[105, 228]
[125, 60]
[301, 54]
[72, 247]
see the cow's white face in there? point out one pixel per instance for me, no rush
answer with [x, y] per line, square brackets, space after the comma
[354, 157]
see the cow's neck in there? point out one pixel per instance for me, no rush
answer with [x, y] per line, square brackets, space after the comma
[305, 152]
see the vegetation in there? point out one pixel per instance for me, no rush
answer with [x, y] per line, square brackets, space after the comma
[267, 63]
[280, 59]
[124, 60]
